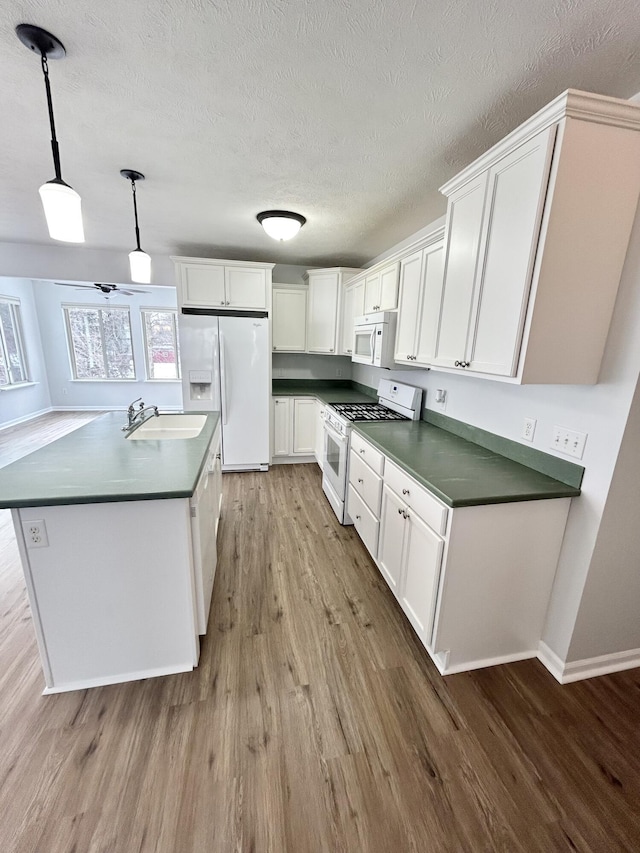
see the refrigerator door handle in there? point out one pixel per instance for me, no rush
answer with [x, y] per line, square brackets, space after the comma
[224, 379]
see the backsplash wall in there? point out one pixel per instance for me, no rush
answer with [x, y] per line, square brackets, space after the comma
[310, 366]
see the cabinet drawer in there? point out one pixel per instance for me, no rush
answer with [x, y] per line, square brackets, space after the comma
[366, 482]
[364, 521]
[366, 451]
[423, 502]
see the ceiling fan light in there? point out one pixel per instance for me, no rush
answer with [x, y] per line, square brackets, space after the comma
[281, 224]
[63, 211]
[140, 264]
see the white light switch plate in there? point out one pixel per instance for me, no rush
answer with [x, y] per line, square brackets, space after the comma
[569, 441]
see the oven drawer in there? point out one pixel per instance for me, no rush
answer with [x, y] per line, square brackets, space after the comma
[417, 497]
[366, 482]
[364, 521]
[366, 451]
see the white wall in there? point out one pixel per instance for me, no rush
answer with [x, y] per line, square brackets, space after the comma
[601, 411]
[21, 403]
[310, 366]
[66, 392]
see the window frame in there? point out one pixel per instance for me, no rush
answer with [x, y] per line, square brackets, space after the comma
[71, 350]
[163, 310]
[15, 310]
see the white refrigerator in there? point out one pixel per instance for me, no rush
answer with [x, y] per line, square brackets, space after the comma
[225, 365]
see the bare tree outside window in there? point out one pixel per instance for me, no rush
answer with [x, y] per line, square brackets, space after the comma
[13, 363]
[162, 351]
[100, 342]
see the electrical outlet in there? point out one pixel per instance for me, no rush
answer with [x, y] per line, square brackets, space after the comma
[35, 534]
[528, 428]
[569, 441]
[338, 372]
[441, 399]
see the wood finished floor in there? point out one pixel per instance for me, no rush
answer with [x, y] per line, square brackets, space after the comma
[315, 721]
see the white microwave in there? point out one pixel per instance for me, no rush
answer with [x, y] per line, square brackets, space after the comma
[374, 339]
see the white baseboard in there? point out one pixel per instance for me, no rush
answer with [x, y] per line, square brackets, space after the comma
[25, 418]
[292, 460]
[578, 670]
[85, 684]
[442, 662]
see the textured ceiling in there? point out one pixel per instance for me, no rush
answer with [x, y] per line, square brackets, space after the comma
[351, 112]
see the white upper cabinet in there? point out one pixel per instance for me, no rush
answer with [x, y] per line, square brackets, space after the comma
[493, 228]
[323, 307]
[207, 283]
[536, 236]
[381, 288]
[289, 319]
[419, 304]
[464, 230]
[352, 307]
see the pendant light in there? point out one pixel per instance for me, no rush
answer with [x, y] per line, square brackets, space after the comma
[62, 204]
[281, 224]
[139, 261]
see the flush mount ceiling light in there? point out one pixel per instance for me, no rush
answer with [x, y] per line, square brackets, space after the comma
[62, 204]
[281, 224]
[139, 261]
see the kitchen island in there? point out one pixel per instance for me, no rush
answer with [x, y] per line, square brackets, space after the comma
[117, 542]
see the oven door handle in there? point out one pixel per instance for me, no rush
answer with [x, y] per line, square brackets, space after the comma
[336, 436]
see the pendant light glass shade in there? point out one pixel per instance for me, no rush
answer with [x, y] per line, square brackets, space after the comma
[140, 264]
[63, 212]
[281, 224]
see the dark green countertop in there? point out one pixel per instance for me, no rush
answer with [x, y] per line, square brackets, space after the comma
[326, 390]
[97, 464]
[458, 471]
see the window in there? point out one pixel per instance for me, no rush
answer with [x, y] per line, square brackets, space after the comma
[161, 350]
[100, 342]
[13, 363]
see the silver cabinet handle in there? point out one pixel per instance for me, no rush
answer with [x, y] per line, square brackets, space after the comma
[223, 302]
[360, 480]
[331, 350]
[349, 350]
[358, 517]
[405, 491]
[406, 514]
[362, 451]
[400, 511]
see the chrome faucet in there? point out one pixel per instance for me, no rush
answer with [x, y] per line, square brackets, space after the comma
[134, 416]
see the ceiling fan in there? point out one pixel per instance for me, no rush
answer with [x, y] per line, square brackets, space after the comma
[107, 290]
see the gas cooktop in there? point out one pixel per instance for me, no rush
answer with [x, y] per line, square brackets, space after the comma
[367, 412]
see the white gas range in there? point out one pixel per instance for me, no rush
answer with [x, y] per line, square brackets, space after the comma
[396, 402]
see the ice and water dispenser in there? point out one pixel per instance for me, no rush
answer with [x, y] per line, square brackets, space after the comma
[200, 385]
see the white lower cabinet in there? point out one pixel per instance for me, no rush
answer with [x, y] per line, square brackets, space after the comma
[281, 430]
[473, 581]
[320, 407]
[304, 426]
[294, 427]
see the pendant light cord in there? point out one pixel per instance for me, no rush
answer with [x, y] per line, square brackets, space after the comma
[135, 214]
[54, 141]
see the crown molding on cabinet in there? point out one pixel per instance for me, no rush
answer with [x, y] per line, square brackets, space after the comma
[221, 261]
[582, 106]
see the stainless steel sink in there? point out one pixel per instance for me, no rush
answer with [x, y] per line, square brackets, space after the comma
[170, 426]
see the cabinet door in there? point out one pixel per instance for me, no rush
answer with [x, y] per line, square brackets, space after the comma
[202, 285]
[421, 572]
[289, 320]
[322, 312]
[346, 330]
[392, 528]
[304, 426]
[246, 287]
[515, 202]
[372, 293]
[319, 432]
[410, 282]
[281, 426]
[429, 316]
[389, 287]
[462, 241]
